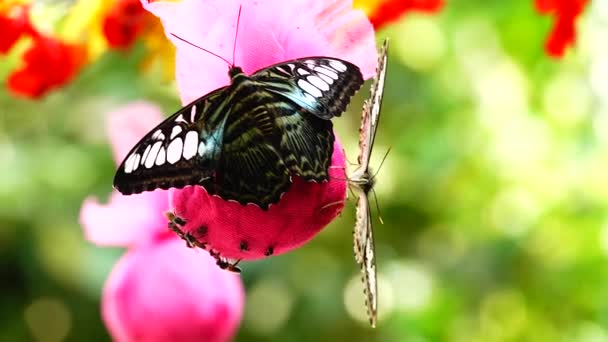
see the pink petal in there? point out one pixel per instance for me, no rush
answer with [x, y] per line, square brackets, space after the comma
[166, 292]
[128, 124]
[125, 220]
[270, 31]
[302, 212]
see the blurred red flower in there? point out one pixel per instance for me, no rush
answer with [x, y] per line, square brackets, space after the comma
[563, 33]
[382, 12]
[124, 22]
[13, 24]
[48, 63]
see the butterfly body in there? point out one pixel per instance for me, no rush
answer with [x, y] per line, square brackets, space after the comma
[362, 179]
[246, 140]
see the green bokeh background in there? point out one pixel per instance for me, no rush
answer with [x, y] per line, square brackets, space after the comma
[493, 196]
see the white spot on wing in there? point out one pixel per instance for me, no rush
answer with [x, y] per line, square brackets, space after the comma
[160, 159]
[152, 156]
[309, 88]
[143, 158]
[175, 131]
[129, 163]
[190, 144]
[156, 135]
[303, 72]
[337, 65]
[325, 78]
[136, 161]
[180, 118]
[326, 71]
[317, 82]
[192, 113]
[311, 63]
[174, 151]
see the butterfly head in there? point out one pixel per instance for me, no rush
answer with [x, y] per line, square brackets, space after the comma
[370, 181]
[234, 72]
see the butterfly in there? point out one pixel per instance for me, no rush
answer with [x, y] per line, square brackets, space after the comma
[362, 182]
[244, 141]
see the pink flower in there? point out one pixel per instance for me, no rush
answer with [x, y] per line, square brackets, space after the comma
[160, 290]
[270, 31]
[167, 292]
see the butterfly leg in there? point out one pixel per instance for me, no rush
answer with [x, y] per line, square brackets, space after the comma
[224, 264]
[174, 224]
[331, 204]
[175, 219]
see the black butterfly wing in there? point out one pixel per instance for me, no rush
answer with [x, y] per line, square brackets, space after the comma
[169, 156]
[321, 86]
[251, 168]
[242, 145]
[307, 93]
[306, 141]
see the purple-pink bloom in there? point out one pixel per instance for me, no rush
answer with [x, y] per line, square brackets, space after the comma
[270, 31]
[167, 292]
[159, 290]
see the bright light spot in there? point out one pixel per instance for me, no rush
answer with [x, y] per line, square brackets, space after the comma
[520, 144]
[598, 78]
[604, 238]
[600, 9]
[514, 211]
[501, 88]
[413, 285]
[600, 126]
[48, 319]
[567, 99]
[419, 42]
[590, 332]
[269, 304]
[476, 44]
[354, 298]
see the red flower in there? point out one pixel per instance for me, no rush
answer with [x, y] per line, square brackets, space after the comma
[123, 23]
[48, 63]
[382, 12]
[13, 25]
[564, 30]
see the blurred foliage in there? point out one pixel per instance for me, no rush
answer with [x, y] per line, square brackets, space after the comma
[493, 195]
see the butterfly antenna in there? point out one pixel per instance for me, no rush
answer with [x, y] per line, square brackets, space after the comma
[348, 160]
[382, 162]
[207, 51]
[377, 206]
[236, 34]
